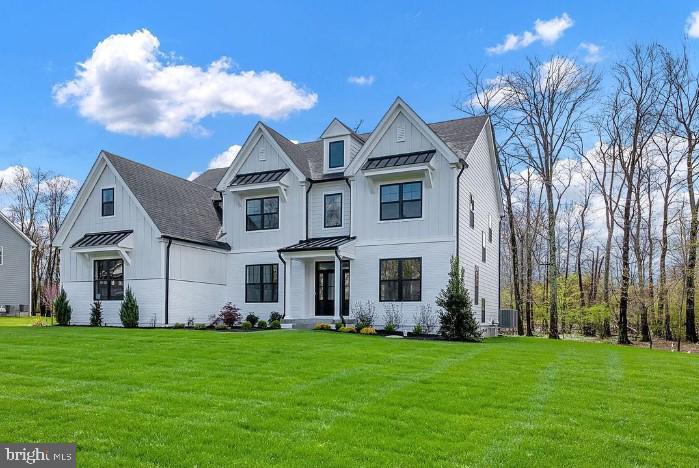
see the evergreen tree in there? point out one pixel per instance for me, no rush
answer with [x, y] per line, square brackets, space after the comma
[96, 314]
[456, 319]
[129, 310]
[62, 309]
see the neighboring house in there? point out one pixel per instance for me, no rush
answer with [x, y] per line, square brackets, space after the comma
[304, 229]
[15, 268]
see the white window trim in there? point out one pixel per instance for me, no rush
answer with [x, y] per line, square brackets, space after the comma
[245, 214]
[342, 210]
[108, 256]
[113, 201]
[326, 154]
[400, 181]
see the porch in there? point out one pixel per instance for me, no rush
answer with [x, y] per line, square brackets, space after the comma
[317, 280]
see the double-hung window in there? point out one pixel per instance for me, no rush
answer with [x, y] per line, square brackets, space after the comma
[483, 246]
[108, 202]
[490, 228]
[332, 207]
[2, 255]
[262, 214]
[476, 285]
[261, 283]
[336, 154]
[109, 280]
[483, 310]
[471, 211]
[400, 279]
[401, 201]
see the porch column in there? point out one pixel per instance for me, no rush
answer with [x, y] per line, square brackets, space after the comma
[338, 290]
[287, 288]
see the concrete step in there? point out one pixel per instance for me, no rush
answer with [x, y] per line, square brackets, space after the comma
[308, 323]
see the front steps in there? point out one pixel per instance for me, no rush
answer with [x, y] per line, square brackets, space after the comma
[308, 323]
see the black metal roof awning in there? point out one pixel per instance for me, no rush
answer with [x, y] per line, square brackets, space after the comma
[318, 243]
[418, 157]
[102, 239]
[259, 177]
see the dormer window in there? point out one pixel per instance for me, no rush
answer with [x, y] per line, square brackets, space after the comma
[336, 154]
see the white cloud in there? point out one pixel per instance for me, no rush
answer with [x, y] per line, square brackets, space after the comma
[7, 176]
[546, 31]
[593, 52]
[130, 86]
[692, 24]
[226, 158]
[361, 80]
[219, 161]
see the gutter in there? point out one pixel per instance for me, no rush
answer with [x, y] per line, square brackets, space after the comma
[284, 295]
[458, 205]
[167, 280]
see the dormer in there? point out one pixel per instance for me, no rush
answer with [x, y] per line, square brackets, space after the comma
[337, 143]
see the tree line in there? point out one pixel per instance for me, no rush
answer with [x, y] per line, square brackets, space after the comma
[598, 172]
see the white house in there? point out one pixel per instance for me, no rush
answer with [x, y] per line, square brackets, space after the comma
[15, 268]
[306, 230]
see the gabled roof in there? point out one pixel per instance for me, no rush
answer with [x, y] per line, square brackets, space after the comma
[460, 134]
[16, 229]
[211, 178]
[179, 208]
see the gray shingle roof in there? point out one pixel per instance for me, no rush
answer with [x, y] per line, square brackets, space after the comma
[179, 208]
[211, 178]
[458, 134]
[98, 239]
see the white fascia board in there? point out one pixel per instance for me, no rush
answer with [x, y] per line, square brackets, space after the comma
[17, 230]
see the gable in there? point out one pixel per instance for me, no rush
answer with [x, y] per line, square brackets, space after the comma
[10, 228]
[401, 137]
[336, 129]
[263, 157]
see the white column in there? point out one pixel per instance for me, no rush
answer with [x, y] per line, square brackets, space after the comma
[287, 289]
[338, 285]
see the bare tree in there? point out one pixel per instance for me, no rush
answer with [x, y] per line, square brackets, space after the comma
[639, 100]
[685, 106]
[584, 205]
[56, 199]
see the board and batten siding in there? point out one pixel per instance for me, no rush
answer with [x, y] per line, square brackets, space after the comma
[479, 180]
[145, 273]
[15, 269]
[263, 157]
[316, 201]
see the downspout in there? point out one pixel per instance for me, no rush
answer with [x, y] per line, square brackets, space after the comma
[350, 204]
[167, 280]
[342, 317]
[310, 184]
[284, 295]
[500, 265]
[458, 207]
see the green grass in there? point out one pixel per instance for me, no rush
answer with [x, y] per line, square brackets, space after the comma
[22, 321]
[289, 398]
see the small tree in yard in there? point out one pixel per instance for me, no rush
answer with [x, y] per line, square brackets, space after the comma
[456, 320]
[96, 314]
[129, 310]
[62, 309]
[229, 314]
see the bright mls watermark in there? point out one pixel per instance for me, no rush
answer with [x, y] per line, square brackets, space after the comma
[45, 455]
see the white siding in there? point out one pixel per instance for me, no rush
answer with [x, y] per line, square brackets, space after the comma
[414, 139]
[478, 179]
[15, 268]
[272, 159]
[145, 273]
[316, 201]
[235, 290]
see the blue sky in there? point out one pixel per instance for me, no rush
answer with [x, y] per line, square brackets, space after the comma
[191, 110]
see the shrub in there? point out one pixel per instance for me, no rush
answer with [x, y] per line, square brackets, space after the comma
[275, 316]
[38, 322]
[338, 325]
[322, 326]
[426, 319]
[229, 314]
[262, 324]
[96, 314]
[62, 308]
[221, 326]
[246, 325]
[190, 322]
[456, 319]
[178, 325]
[417, 329]
[200, 326]
[364, 314]
[275, 324]
[368, 331]
[392, 316]
[252, 318]
[129, 310]
[348, 330]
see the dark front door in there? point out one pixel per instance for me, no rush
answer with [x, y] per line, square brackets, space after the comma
[325, 288]
[345, 288]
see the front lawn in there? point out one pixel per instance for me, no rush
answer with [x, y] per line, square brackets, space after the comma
[185, 398]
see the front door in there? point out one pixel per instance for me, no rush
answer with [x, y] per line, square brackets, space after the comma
[325, 288]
